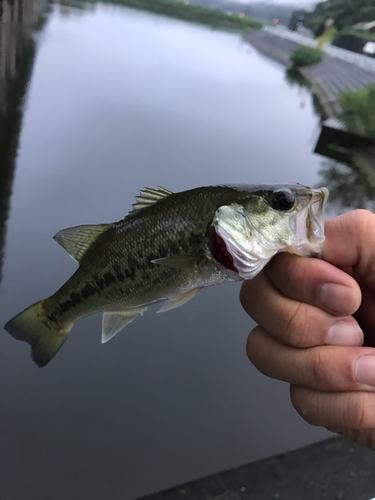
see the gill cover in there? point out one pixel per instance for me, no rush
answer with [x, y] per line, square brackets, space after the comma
[250, 250]
[252, 238]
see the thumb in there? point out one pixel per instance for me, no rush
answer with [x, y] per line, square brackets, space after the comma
[350, 243]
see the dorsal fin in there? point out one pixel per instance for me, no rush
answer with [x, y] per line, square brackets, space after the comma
[76, 240]
[149, 196]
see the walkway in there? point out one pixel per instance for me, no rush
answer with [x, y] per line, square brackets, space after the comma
[328, 78]
[331, 469]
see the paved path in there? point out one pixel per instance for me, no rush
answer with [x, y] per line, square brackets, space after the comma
[360, 60]
[328, 78]
[330, 470]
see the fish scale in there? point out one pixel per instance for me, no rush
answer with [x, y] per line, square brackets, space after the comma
[166, 249]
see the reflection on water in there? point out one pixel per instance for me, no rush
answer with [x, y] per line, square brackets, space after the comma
[119, 100]
[351, 186]
[17, 50]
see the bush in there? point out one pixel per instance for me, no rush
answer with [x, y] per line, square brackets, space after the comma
[305, 56]
[359, 111]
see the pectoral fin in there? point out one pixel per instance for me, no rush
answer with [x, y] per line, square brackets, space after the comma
[179, 300]
[114, 322]
[178, 261]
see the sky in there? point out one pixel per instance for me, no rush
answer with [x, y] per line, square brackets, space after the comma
[301, 3]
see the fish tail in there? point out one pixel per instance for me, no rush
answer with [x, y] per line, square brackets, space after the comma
[34, 327]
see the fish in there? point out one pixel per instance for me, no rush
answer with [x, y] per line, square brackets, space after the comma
[166, 249]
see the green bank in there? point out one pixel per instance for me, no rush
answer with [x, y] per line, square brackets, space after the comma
[186, 11]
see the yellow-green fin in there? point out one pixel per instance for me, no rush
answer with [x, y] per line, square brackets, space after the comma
[114, 321]
[34, 327]
[148, 196]
[179, 300]
[76, 240]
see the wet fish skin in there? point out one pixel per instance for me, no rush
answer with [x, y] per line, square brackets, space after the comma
[163, 250]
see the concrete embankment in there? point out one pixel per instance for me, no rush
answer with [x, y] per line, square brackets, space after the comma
[332, 469]
[328, 78]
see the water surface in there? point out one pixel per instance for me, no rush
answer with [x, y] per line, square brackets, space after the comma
[119, 100]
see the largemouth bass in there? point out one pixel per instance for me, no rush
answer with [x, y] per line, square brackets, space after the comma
[168, 248]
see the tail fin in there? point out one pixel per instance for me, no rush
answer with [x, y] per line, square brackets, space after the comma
[45, 336]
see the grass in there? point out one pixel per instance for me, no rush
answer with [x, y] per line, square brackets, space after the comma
[188, 12]
[305, 56]
[358, 114]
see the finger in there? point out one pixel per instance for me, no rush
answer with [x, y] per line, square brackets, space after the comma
[362, 437]
[315, 282]
[350, 242]
[366, 312]
[323, 368]
[342, 410]
[295, 323]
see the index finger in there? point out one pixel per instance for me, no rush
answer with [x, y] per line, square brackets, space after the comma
[350, 243]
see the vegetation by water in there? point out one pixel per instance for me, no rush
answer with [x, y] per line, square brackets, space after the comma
[361, 33]
[359, 111]
[345, 14]
[295, 78]
[305, 56]
[184, 10]
[349, 185]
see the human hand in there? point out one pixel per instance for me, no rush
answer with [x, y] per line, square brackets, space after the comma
[317, 328]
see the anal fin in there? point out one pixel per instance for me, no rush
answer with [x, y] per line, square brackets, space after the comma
[179, 300]
[114, 322]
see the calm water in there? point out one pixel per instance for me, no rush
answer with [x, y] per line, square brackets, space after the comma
[119, 100]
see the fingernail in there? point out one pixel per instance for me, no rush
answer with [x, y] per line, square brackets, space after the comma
[335, 297]
[365, 370]
[346, 333]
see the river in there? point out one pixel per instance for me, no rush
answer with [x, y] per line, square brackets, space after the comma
[118, 100]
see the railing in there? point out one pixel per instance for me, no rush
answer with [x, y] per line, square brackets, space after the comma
[359, 60]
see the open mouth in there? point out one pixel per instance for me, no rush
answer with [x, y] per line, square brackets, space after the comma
[220, 252]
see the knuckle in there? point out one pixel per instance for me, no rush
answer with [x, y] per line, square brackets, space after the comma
[302, 401]
[245, 294]
[248, 295]
[362, 219]
[319, 369]
[355, 221]
[359, 411]
[362, 437]
[296, 325]
[252, 343]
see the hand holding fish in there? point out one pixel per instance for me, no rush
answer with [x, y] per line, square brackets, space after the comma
[317, 328]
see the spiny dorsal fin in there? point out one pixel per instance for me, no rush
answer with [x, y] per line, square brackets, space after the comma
[148, 196]
[76, 240]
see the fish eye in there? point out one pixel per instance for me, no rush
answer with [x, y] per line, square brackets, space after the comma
[283, 200]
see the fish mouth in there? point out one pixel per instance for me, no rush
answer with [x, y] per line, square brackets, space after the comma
[310, 226]
[220, 253]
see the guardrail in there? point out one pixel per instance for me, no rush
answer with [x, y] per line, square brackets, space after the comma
[359, 60]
